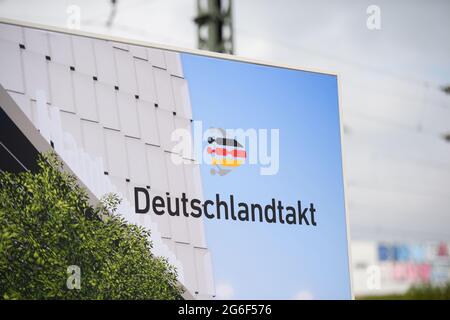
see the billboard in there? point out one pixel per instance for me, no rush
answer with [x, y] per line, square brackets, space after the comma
[234, 165]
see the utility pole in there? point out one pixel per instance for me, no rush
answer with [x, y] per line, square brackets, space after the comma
[215, 25]
[112, 13]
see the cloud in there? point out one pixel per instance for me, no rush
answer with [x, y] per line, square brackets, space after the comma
[303, 295]
[224, 291]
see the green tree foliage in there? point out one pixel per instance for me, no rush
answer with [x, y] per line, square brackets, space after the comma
[417, 292]
[429, 292]
[47, 225]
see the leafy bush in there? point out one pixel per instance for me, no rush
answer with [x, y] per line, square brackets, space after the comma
[47, 225]
[417, 292]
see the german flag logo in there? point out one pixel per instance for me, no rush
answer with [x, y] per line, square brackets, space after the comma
[226, 154]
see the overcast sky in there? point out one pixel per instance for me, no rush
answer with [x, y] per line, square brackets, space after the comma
[413, 40]
[399, 164]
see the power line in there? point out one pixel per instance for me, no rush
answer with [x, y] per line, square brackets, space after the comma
[334, 59]
[114, 9]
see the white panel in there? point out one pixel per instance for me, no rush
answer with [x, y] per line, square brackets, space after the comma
[182, 123]
[11, 33]
[185, 253]
[147, 119]
[116, 152]
[145, 220]
[181, 95]
[83, 52]
[71, 124]
[85, 96]
[162, 221]
[186, 150]
[197, 232]
[36, 41]
[121, 185]
[122, 46]
[164, 91]
[173, 63]
[193, 180]
[35, 70]
[125, 71]
[137, 160]
[145, 80]
[178, 224]
[204, 271]
[157, 168]
[156, 57]
[175, 174]
[10, 66]
[170, 244]
[193, 188]
[139, 52]
[104, 58]
[43, 121]
[61, 48]
[128, 114]
[56, 132]
[61, 86]
[23, 102]
[93, 139]
[34, 113]
[165, 127]
[107, 105]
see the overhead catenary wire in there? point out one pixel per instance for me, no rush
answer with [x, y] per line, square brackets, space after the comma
[334, 58]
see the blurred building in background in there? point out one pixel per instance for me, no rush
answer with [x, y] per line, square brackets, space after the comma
[381, 268]
[396, 115]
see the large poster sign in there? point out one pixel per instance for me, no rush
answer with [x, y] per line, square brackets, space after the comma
[234, 166]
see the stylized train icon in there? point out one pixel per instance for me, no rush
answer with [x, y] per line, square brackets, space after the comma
[226, 154]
